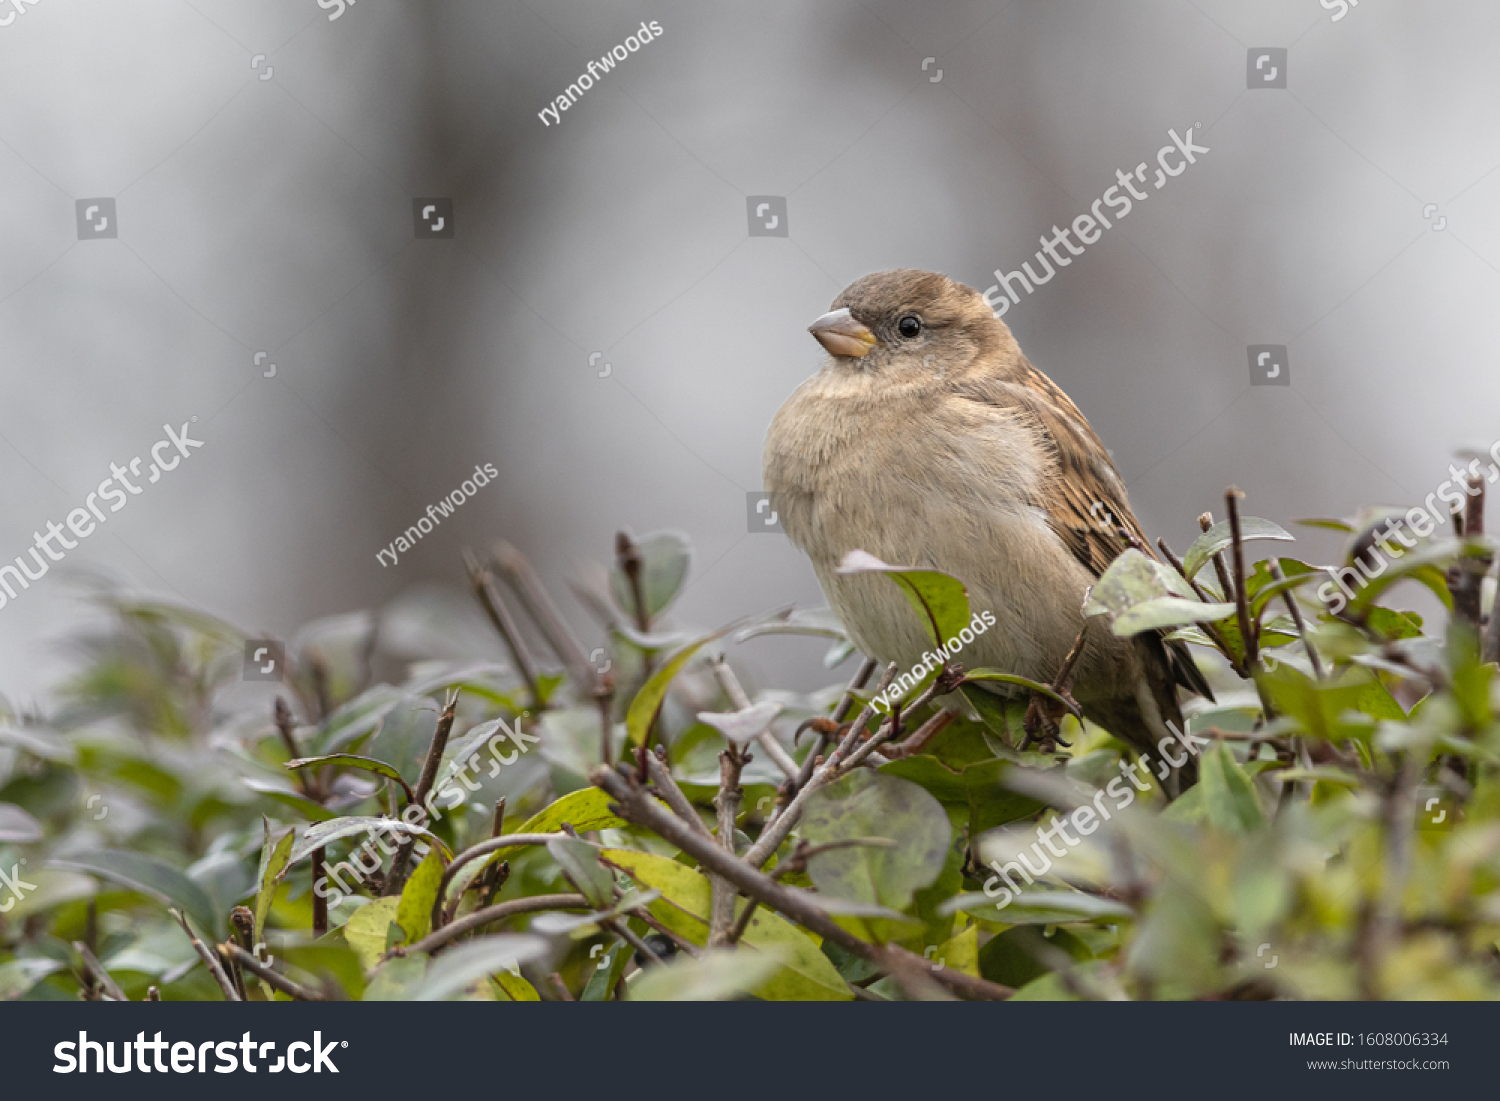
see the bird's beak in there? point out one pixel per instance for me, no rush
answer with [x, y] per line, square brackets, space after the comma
[841, 334]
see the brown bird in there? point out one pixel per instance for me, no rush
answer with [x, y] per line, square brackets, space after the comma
[928, 440]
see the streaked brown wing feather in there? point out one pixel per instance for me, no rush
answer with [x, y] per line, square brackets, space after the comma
[1084, 498]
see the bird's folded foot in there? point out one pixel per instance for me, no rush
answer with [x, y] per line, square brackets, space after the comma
[1042, 724]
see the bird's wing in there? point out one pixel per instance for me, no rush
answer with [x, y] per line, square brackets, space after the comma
[1083, 495]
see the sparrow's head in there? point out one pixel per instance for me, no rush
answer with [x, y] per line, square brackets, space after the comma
[902, 322]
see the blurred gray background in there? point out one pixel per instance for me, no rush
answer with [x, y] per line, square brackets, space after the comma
[265, 204]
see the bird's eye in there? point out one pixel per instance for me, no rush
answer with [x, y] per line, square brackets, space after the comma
[909, 326]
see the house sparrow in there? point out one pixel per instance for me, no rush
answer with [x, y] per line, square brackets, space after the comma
[928, 440]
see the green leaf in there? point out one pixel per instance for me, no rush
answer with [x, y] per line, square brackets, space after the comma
[606, 973]
[514, 987]
[458, 968]
[1018, 681]
[865, 804]
[579, 861]
[648, 700]
[806, 973]
[1039, 907]
[1167, 612]
[585, 809]
[1219, 537]
[1020, 955]
[1134, 578]
[273, 860]
[286, 795]
[666, 558]
[365, 931]
[358, 717]
[321, 834]
[17, 825]
[939, 599]
[152, 877]
[414, 914]
[716, 975]
[1229, 797]
[352, 760]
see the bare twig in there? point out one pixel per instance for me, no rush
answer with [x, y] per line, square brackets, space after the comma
[268, 974]
[1232, 498]
[396, 878]
[727, 801]
[1466, 576]
[1205, 522]
[1296, 611]
[524, 582]
[505, 624]
[210, 960]
[455, 929]
[840, 713]
[96, 970]
[484, 848]
[636, 805]
[666, 787]
[1208, 628]
[776, 830]
[765, 739]
[797, 862]
[563, 994]
[628, 554]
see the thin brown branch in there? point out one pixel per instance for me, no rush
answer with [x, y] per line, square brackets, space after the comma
[455, 929]
[96, 971]
[628, 555]
[765, 739]
[666, 786]
[636, 805]
[268, 974]
[727, 801]
[1205, 522]
[1208, 628]
[1296, 612]
[396, 878]
[1248, 634]
[527, 586]
[563, 993]
[504, 623]
[210, 960]
[1466, 576]
[484, 848]
[862, 677]
[775, 831]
